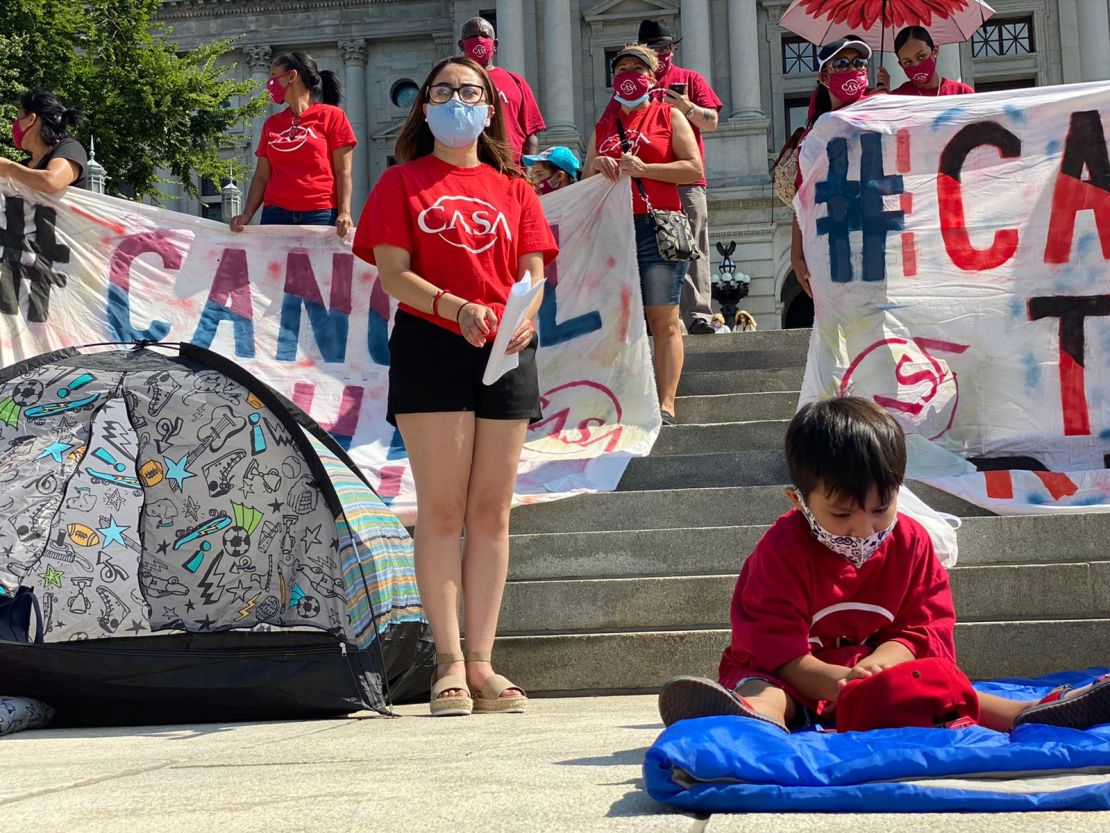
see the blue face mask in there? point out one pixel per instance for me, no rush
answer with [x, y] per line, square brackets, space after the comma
[456, 124]
[634, 103]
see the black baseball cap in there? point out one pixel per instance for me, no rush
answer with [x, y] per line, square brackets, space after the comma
[656, 34]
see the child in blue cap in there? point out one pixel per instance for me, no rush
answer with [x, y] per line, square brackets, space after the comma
[555, 168]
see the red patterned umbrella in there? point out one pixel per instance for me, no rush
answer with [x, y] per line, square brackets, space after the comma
[877, 22]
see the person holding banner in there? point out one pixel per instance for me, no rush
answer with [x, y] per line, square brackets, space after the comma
[451, 230]
[842, 81]
[303, 176]
[57, 160]
[654, 143]
[918, 57]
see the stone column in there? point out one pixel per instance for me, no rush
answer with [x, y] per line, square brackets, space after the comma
[1094, 38]
[948, 62]
[696, 48]
[558, 68]
[354, 102]
[258, 59]
[510, 35]
[743, 61]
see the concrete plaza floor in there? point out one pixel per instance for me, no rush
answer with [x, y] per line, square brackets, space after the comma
[568, 765]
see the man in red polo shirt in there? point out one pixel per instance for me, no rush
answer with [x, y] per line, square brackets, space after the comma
[522, 116]
[690, 93]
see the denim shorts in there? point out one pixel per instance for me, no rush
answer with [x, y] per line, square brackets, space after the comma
[274, 216]
[660, 280]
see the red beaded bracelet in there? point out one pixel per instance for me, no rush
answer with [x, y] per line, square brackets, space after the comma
[435, 302]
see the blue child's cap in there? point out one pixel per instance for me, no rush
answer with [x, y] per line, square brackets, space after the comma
[559, 156]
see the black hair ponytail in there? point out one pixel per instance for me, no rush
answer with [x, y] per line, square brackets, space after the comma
[917, 33]
[822, 103]
[325, 82]
[55, 116]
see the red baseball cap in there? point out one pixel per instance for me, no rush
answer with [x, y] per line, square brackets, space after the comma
[923, 692]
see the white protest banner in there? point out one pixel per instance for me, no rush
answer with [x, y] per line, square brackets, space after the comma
[959, 251]
[295, 307]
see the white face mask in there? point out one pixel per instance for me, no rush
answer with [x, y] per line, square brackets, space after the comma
[855, 550]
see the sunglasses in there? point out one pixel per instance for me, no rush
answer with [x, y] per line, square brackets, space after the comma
[468, 93]
[844, 64]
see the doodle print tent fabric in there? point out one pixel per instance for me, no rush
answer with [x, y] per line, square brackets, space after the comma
[177, 502]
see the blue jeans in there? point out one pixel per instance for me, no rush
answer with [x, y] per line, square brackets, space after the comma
[274, 216]
[660, 280]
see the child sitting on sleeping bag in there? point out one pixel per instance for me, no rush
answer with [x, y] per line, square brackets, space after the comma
[842, 588]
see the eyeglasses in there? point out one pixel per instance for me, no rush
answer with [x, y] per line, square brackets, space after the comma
[844, 64]
[468, 93]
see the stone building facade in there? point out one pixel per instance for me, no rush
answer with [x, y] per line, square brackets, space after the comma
[382, 49]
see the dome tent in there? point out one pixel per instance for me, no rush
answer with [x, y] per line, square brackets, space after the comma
[200, 548]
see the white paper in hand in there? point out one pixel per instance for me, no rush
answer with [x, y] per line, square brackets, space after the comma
[516, 308]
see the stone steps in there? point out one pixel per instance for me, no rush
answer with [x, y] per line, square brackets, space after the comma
[617, 592]
[981, 594]
[639, 661]
[727, 407]
[720, 550]
[685, 507]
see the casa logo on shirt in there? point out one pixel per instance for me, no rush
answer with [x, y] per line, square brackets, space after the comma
[465, 222]
[292, 138]
[613, 143]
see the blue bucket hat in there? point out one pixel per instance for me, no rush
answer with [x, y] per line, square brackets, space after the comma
[559, 156]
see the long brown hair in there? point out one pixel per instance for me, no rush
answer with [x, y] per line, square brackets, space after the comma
[416, 140]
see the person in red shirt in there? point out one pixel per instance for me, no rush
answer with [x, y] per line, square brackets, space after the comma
[842, 81]
[842, 587]
[654, 143]
[303, 176]
[689, 93]
[918, 57]
[519, 110]
[451, 230]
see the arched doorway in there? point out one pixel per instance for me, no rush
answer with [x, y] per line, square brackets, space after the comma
[797, 307]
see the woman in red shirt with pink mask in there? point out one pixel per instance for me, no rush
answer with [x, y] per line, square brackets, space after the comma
[303, 176]
[918, 58]
[842, 81]
[451, 230]
[653, 142]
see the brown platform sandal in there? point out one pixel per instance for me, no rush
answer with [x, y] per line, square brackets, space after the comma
[450, 706]
[490, 699]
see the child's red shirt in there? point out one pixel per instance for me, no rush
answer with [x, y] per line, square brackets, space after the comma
[795, 596]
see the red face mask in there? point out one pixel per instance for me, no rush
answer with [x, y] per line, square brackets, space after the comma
[848, 86]
[630, 87]
[665, 64]
[550, 184]
[18, 132]
[479, 49]
[277, 92]
[923, 73]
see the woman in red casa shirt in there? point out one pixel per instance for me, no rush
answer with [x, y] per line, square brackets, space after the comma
[841, 82]
[918, 58]
[657, 147]
[451, 231]
[303, 175]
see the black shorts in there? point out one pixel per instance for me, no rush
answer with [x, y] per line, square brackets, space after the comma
[433, 370]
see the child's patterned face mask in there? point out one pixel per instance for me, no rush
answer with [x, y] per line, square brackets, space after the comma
[856, 550]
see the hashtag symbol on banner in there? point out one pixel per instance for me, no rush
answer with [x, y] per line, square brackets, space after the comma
[858, 205]
[31, 259]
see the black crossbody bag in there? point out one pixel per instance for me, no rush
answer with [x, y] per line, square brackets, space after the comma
[672, 228]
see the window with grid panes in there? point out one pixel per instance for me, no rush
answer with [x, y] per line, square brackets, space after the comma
[799, 56]
[1007, 36]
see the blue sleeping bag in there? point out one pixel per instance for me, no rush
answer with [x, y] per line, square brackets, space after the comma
[733, 764]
